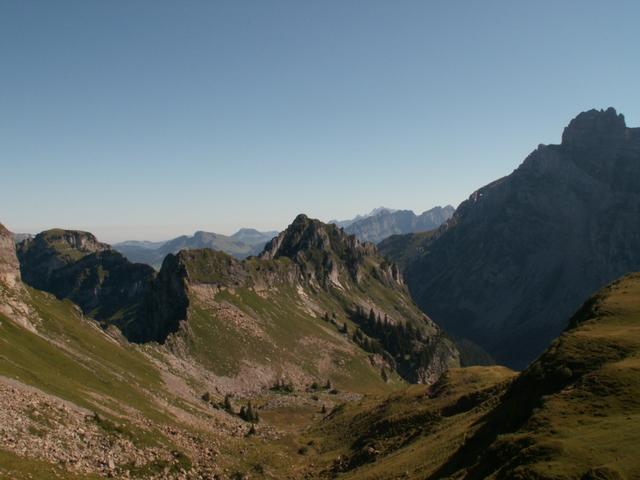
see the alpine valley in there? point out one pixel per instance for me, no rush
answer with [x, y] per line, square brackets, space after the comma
[303, 355]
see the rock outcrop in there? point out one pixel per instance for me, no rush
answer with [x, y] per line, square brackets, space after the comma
[9, 266]
[314, 266]
[520, 255]
[322, 251]
[105, 285]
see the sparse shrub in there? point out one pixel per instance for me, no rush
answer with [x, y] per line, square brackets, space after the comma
[282, 386]
[206, 396]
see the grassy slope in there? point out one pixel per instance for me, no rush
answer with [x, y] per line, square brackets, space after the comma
[295, 335]
[74, 360]
[217, 343]
[92, 361]
[573, 414]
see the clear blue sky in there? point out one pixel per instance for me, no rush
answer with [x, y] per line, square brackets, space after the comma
[149, 119]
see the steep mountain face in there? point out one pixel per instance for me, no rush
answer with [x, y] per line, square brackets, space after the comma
[104, 284]
[386, 223]
[572, 414]
[297, 305]
[9, 266]
[520, 254]
[241, 244]
[52, 250]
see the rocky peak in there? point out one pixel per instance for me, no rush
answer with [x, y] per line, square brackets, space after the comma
[306, 234]
[61, 240]
[53, 249]
[323, 251]
[594, 128]
[9, 266]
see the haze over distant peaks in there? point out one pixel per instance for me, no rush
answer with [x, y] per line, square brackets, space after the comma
[375, 211]
[383, 222]
[243, 243]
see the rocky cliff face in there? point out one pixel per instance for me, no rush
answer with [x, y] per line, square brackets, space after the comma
[323, 253]
[74, 265]
[52, 250]
[520, 254]
[386, 223]
[9, 266]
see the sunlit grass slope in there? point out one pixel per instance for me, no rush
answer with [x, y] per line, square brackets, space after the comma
[573, 414]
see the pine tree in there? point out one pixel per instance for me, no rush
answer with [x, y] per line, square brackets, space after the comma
[227, 403]
[252, 414]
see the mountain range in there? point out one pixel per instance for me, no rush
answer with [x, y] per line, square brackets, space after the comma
[383, 223]
[375, 226]
[243, 243]
[265, 376]
[522, 253]
[309, 359]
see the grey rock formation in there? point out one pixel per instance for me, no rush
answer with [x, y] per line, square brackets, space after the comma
[522, 253]
[9, 266]
[74, 265]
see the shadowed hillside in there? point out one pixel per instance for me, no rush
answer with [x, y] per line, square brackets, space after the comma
[522, 253]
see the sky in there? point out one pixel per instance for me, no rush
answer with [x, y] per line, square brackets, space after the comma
[151, 119]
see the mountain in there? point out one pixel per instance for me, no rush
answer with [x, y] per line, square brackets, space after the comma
[243, 243]
[375, 211]
[523, 252]
[81, 402]
[376, 227]
[311, 269]
[572, 414]
[308, 297]
[253, 237]
[288, 335]
[74, 265]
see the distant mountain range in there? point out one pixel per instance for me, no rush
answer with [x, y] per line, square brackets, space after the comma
[522, 253]
[296, 362]
[375, 211]
[243, 243]
[373, 227]
[383, 222]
